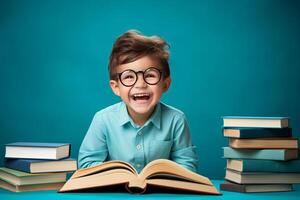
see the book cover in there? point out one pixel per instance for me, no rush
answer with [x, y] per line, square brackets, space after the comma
[161, 173]
[262, 177]
[29, 188]
[263, 165]
[234, 187]
[249, 121]
[32, 150]
[264, 143]
[41, 166]
[15, 177]
[236, 132]
[264, 154]
[37, 144]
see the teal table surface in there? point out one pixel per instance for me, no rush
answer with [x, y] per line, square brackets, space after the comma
[44, 195]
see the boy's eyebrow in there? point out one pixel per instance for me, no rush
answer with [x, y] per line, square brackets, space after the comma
[147, 67]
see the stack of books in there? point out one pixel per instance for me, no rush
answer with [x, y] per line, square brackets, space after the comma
[36, 166]
[262, 155]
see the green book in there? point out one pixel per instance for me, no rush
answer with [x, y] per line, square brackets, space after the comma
[262, 177]
[22, 178]
[28, 188]
[264, 154]
[264, 165]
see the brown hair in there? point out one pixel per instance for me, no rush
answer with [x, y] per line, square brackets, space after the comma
[132, 45]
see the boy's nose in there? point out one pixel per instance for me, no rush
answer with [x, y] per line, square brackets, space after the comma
[140, 81]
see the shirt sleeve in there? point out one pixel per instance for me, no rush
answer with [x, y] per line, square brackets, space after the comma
[183, 151]
[93, 149]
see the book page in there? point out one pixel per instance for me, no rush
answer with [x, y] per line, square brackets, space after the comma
[184, 186]
[96, 180]
[115, 164]
[172, 169]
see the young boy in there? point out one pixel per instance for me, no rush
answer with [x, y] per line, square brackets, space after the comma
[140, 128]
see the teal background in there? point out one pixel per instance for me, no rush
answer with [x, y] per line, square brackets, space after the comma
[227, 58]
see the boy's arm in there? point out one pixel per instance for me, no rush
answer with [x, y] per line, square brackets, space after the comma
[183, 151]
[93, 149]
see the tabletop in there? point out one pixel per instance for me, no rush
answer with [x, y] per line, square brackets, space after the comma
[45, 195]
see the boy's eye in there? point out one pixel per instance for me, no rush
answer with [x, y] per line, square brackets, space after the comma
[128, 77]
[150, 76]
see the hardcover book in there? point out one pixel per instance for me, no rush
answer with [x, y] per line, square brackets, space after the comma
[262, 154]
[234, 187]
[32, 150]
[264, 143]
[262, 177]
[29, 188]
[257, 132]
[248, 121]
[22, 178]
[41, 166]
[160, 173]
[263, 165]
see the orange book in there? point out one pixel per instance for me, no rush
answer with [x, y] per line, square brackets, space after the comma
[264, 143]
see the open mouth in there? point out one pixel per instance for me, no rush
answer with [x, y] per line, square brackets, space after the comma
[141, 97]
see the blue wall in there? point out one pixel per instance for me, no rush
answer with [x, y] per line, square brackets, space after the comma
[227, 58]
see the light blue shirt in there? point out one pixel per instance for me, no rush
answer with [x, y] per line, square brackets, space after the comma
[113, 135]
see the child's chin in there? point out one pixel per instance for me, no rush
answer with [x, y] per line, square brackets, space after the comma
[140, 105]
[142, 111]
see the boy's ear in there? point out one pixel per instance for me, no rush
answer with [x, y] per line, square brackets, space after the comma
[115, 87]
[167, 83]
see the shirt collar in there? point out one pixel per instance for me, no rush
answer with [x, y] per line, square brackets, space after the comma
[155, 118]
[124, 116]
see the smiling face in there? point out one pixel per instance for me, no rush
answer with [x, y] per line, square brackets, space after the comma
[141, 98]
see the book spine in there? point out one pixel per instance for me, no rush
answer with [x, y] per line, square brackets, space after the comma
[262, 178]
[271, 166]
[233, 187]
[263, 143]
[264, 132]
[17, 164]
[254, 154]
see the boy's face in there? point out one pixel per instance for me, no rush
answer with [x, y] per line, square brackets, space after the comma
[140, 98]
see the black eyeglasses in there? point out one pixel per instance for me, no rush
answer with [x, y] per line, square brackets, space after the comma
[129, 77]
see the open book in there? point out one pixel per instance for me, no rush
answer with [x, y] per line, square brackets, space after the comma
[160, 174]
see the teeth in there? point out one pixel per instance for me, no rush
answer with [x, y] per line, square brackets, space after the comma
[141, 95]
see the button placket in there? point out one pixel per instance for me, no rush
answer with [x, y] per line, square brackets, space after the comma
[139, 155]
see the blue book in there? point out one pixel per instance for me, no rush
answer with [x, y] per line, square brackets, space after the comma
[292, 166]
[236, 132]
[32, 150]
[262, 154]
[41, 166]
[262, 122]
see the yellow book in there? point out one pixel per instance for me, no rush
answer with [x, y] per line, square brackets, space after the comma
[161, 173]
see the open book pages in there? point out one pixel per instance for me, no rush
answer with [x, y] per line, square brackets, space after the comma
[162, 173]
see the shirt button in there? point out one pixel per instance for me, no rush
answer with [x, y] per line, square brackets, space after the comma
[138, 165]
[138, 146]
